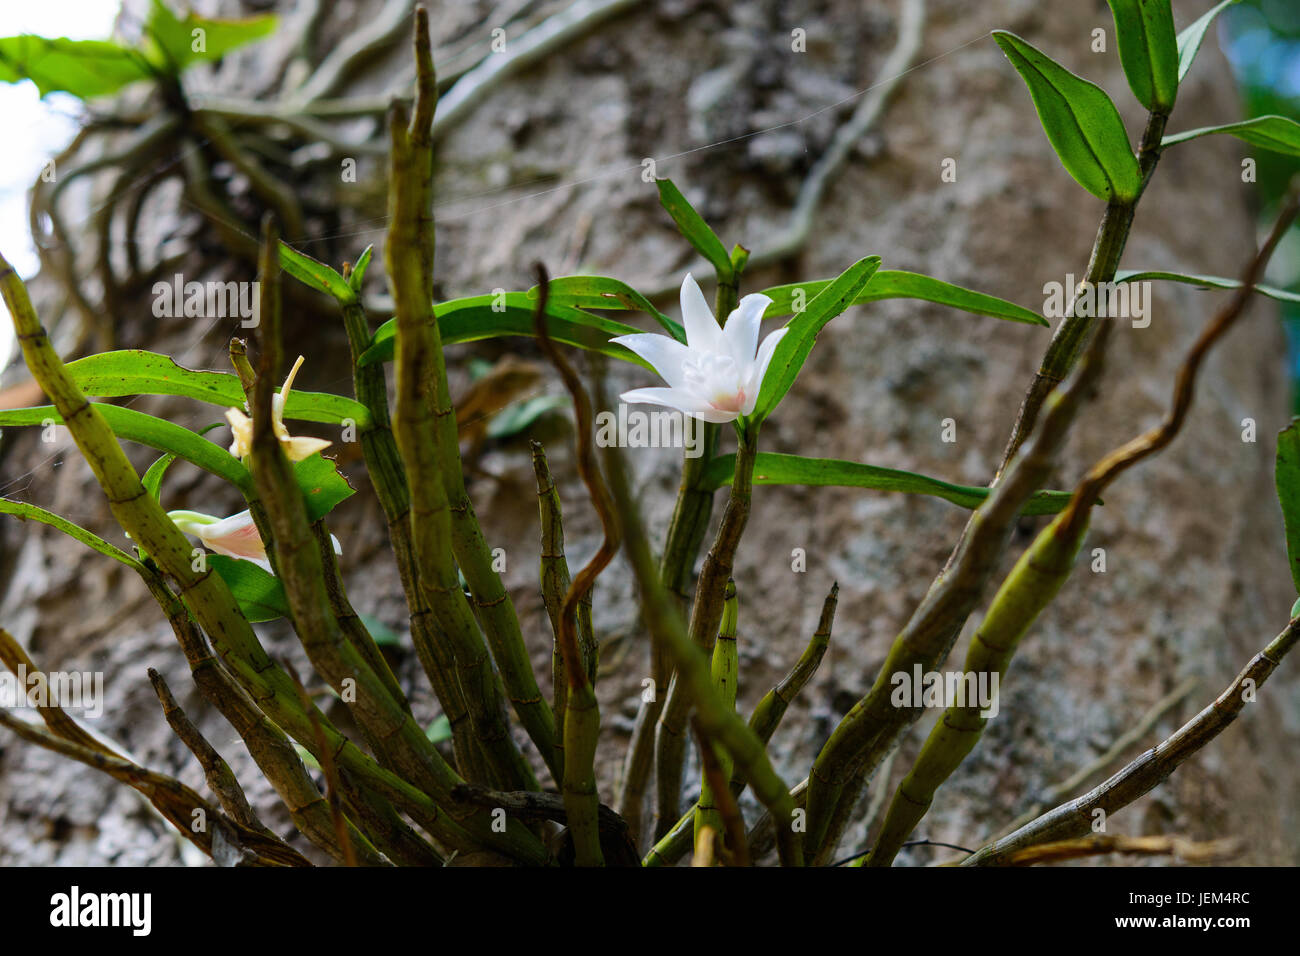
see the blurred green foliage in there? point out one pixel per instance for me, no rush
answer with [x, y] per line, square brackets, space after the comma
[1262, 41]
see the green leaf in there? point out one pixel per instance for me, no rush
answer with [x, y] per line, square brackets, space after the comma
[152, 479]
[440, 730]
[359, 270]
[1148, 50]
[25, 511]
[322, 485]
[1276, 133]
[137, 372]
[776, 469]
[383, 635]
[258, 592]
[307, 759]
[1286, 475]
[1206, 282]
[889, 284]
[600, 292]
[517, 418]
[793, 349]
[692, 225]
[1189, 41]
[131, 425]
[317, 275]
[174, 43]
[474, 318]
[1080, 120]
[84, 68]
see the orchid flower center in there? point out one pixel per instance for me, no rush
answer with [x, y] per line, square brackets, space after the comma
[717, 379]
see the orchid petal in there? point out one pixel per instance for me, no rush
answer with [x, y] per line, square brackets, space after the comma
[296, 449]
[278, 400]
[684, 402]
[759, 371]
[667, 355]
[741, 330]
[288, 381]
[235, 537]
[702, 330]
[241, 430]
[190, 522]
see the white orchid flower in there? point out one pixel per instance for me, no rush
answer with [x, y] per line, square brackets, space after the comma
[717, 374]
[295, 449]
[235, 537]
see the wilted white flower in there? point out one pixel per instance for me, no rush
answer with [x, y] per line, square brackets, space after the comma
[295, 449]
[235, 537]
[717, 374]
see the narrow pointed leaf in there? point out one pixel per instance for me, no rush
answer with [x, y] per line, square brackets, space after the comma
[322, 486]
[137, 372]
[1206, 282]
[793, 349]
[891, 284]
[131, 425]
[694, 228]
[1148, 50]
[1276, 133]
[777, 469]
[600, 292]
[359, 270]
[152, 479]
[475, 318]
[1080, 120]
[317, 275]
[25, 511]
[1189, 41]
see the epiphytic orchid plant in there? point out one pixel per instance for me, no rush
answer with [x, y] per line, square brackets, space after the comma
[388, 793]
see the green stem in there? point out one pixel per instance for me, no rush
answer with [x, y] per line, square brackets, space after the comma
[765, 720]
[423, 413]
[388, 478]
[706, 614]
[871, 728]
[1153, 767]
[1061, 357]
[204, 593]
[717, 722]
[686, 531]
[1069, 338]
[555, 582]
[724, 672]
[582, 714]
[1043, 568]
[401, 744]
[410, 206]
[1030, 586]
[267, 744]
